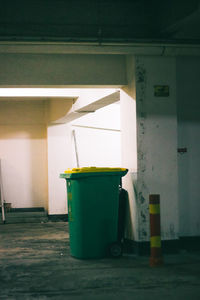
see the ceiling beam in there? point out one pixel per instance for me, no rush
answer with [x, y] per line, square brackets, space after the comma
[79, 109]
[163, 48]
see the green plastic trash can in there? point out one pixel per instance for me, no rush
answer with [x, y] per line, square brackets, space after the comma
[93, 201]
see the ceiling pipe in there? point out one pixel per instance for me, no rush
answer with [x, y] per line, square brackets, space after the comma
[159, 49]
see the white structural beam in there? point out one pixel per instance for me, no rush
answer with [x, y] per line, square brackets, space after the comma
[90, 105]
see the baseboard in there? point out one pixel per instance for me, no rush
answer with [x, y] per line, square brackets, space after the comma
[28, 209]
[58, 218]
[139, 248]
[143, 248]
[190, 243]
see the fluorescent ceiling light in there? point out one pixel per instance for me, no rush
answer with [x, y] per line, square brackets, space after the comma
[39, 92]
[52, 92]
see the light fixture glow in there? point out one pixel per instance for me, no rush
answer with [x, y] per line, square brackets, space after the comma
[49, 92]
[39, 92]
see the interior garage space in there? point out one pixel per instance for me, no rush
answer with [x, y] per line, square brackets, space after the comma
[120, 124]
[100, 84]
[130, 111]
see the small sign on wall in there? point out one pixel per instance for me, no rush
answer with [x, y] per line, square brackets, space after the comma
[161, 90]
[182, 150]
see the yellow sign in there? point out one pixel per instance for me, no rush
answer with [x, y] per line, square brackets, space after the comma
[161, 90]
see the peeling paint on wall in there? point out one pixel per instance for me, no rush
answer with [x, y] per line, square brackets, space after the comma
[156, 145]
[142, 191]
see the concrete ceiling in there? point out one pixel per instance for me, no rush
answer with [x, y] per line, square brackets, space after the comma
[175, 21]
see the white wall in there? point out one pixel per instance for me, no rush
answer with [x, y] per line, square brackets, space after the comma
[157, 144]
[24, 136]
[59, 159]
[129, 159]
[188, 83]
[99, 147]
[96, 147]
[57, 108]
[23, 153]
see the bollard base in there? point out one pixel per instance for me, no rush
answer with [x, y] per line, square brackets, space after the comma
[156, 261]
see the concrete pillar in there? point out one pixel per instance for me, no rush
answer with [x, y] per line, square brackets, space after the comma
[129, 159]
[157, 144]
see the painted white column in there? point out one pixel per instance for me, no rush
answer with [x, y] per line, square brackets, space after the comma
[59, 159]
[157, 144]
[129, 159]
[188, 73]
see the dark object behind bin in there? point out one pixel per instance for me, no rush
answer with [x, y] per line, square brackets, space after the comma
[123, 201]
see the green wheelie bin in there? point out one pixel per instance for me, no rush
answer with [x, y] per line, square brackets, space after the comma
[93, 202]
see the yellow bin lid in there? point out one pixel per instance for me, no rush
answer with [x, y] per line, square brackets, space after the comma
[76, 173]
[93, 170]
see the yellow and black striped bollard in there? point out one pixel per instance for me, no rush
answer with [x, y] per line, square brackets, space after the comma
[155, 238]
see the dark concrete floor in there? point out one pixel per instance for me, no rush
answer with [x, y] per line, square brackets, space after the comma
[35, 264]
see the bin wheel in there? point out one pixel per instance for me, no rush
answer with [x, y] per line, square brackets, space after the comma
[116, 249]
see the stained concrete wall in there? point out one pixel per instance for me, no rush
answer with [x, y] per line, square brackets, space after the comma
[188, 106]
[157, 144]
[23, 153]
